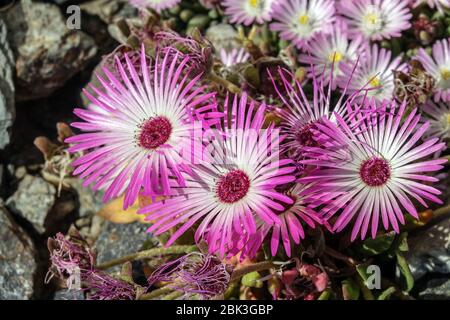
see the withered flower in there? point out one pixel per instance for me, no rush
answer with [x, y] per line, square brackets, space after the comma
[70, 256]
[415, 86]
[195, 275]
[305, 281]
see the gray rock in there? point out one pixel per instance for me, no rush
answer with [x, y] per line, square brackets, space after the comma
[60, 2]
[104, 9]
[17, 260]
[47, 52]
[429, 250]
[222, 36]
[436, 289]
[7, 108]
[90, 200]
[33, 200]
[117, 240]
[69, 295]
[109, 12]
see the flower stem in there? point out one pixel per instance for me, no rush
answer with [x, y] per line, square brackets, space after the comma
[240, 272]
[441, 211]
[398, 292]
[367, 294]
[148, 254]
[173, 295]
[156, 293]
[225, 83]
[325, 295]
[337, 255]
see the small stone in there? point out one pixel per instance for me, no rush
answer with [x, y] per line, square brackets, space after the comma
[436, 289]
[69, 295]
[118, 240]
[109, 11]
[222, 36]
[96, 227]
[20, 172]
[90, 200]
[429, 251]
[17, 260]
[47, 52]
[7, 89]
[104, 9]
[33, 200]
[199, 21]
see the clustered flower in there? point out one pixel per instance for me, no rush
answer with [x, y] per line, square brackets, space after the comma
[348, 153]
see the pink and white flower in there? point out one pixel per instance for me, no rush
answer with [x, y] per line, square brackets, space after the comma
[137, 140]
[234, 57]
[438, 65]
[291, 228]
[439, 117]
[374, 73]
[375, 19]
[234, 184]
[247, 12]
[327, 52]
[375, 169]
[299, 21]
[299, 115]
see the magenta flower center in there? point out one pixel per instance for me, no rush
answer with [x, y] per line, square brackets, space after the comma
[305, 136]
[375, 172]
[232, 186]
[155, 132]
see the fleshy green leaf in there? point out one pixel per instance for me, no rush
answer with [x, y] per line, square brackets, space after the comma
[386, 294]
[252, 279]
[371, 247]
[363, 276]
[325, 295]
[350, 289]
[362, 271]
[400, 245]
[406, 277]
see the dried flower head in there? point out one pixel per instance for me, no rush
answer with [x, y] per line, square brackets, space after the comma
[102, 286]
[414, 86]
[70, 257]
[305, 281]
[194, 274]
[197, 48]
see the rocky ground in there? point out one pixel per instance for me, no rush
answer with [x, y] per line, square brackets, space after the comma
[43, 68]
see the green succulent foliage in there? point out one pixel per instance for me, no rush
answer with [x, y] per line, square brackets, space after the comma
[386, 294]
[252, 279]
[350, 289]
[406, 278]
[372, 247]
